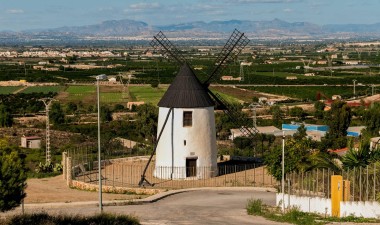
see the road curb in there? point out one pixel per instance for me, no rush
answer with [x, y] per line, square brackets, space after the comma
[150, 199]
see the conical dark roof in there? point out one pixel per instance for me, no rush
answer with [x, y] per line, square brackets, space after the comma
[186, 91]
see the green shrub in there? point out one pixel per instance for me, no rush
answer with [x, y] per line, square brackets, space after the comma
[295, 216]
[255, 207]
[46, 219]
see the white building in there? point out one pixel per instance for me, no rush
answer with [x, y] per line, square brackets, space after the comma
[31, 142]
[187, 147]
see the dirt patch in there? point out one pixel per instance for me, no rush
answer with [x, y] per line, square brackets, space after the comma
[245, 94]
[54, 189]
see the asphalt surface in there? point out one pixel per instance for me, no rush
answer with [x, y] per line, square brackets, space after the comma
[204, 206]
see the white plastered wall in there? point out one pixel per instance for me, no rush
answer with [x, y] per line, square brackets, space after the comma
[200, 138]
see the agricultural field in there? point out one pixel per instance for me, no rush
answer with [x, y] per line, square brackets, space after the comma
[310, 93]
[233, 94]
[80, 93]
[43, 89]
[4, 90]
[146, 94]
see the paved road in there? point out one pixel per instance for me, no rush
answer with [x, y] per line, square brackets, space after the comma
[221, 206]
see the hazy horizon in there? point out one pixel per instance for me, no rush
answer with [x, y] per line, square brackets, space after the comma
[18, 15]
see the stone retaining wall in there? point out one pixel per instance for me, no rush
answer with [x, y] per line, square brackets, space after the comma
[111, 189]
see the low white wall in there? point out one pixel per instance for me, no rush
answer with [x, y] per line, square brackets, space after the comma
[306, 204]
[364, 209]
[323, 205]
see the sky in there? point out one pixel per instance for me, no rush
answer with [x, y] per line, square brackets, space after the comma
[19, 15]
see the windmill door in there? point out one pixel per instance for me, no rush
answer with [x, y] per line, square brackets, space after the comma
[191, 167]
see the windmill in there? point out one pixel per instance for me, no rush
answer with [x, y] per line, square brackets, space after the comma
[189, 99]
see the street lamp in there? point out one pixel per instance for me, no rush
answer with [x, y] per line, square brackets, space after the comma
[99, 78]
[283, 172]
[354, 87]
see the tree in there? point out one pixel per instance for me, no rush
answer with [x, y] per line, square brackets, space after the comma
[12, 177]
[56, 115]
[71, 108]
[338, 120]
[6, 118]
[296, 155]
[105, 114]
[146, 120]
[277, 115]
[361, 157]
[319, 109]
[301, 133]
[371, 119]
[297, 112]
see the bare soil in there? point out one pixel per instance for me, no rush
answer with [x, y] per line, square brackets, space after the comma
[54, 189]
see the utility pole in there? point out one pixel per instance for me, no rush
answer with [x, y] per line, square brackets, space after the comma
[254, 120]
[354, 87]
[47, 102]
[241, 72]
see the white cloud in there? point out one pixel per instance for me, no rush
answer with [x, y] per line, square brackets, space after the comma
[143, 6]
[15, 11]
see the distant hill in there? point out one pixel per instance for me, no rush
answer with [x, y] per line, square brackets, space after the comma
[272, 28]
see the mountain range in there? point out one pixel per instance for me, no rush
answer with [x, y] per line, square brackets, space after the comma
[272, 28]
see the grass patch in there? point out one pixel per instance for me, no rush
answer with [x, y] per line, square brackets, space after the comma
[146, 94]
[295, 216]
[112, 97]
[255, 207]
[5, 90]
[43, 89]
[81, 89]
[44, 218]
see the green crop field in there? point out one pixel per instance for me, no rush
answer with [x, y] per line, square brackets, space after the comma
[310, 92]
[4, 90]
[146, 94]
[112, 98]
[80, 93]
[43, 89]
[81, 89]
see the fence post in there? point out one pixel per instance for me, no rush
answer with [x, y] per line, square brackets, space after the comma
[374, 181]
[367, 191]
[254, 174]
[245, 174]
[360, 183]
[64, 168]
[69, 171]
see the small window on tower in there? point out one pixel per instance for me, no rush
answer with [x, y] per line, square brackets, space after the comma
[187, 119]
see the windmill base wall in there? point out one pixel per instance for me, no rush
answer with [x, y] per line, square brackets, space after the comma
[182, 146]
[180, 173]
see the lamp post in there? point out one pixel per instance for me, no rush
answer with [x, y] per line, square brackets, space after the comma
[283, 172]
[354, 87]
[99, 78]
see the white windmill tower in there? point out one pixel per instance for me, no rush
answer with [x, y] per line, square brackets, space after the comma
[189, 138]
[186, 139]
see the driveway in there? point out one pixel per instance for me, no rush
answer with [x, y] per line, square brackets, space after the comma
[205, 206]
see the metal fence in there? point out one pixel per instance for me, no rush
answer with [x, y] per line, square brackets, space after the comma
[364, 182]
[126, 172]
